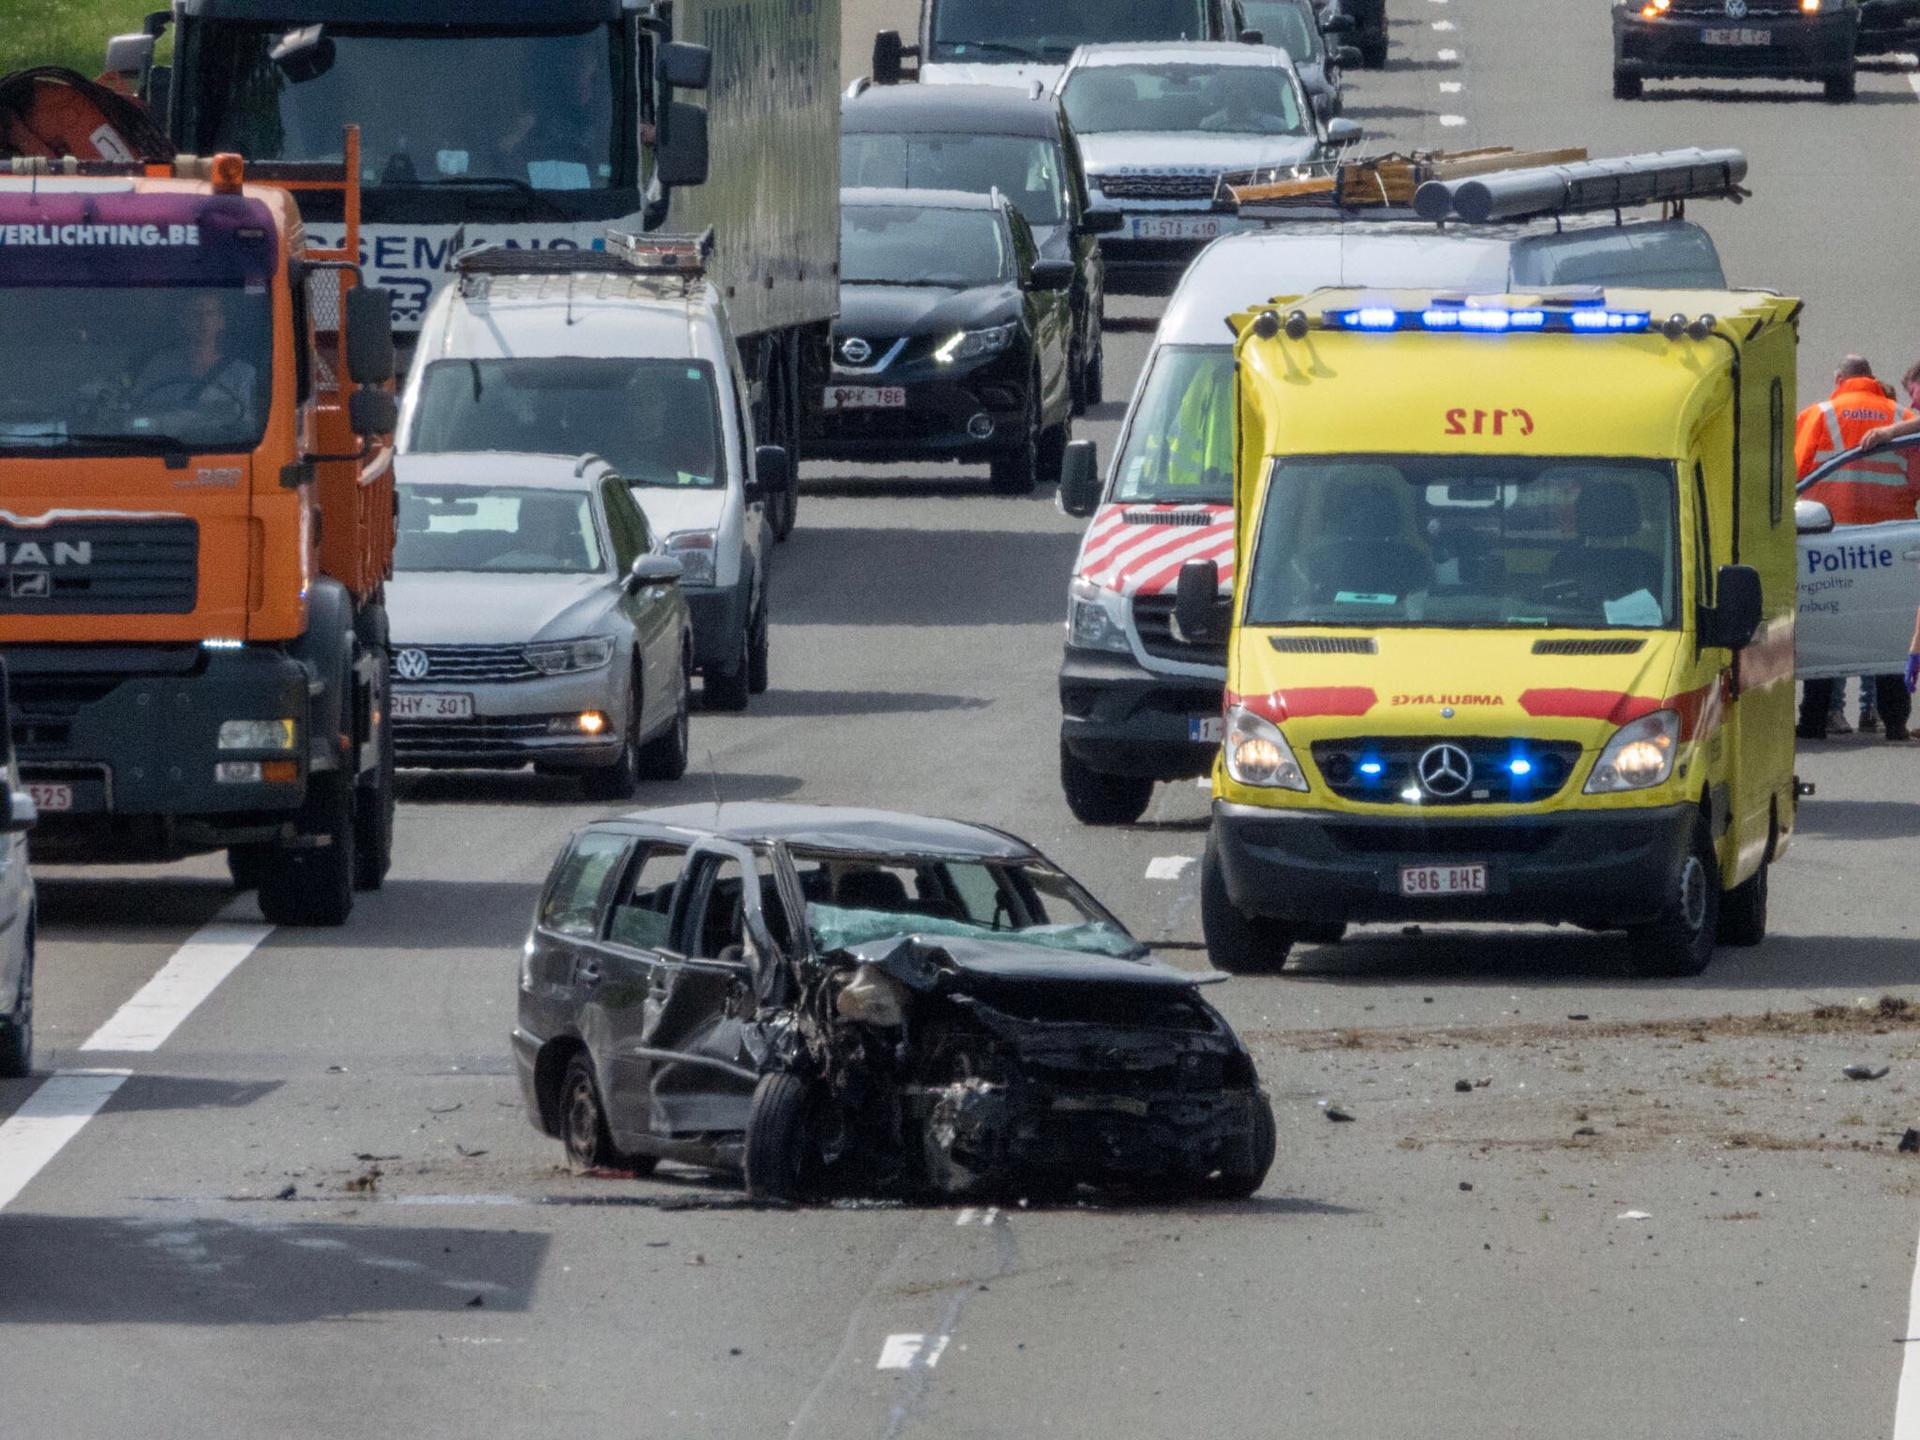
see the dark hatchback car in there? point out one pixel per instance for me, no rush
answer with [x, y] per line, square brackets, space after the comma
[953, 338]
[1736, 40]
[850, 1000]
[980, 138]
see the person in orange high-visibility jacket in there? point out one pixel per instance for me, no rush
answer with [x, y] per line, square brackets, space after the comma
[1867, 491]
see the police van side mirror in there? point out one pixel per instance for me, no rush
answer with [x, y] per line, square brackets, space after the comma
[680, 159]
[1194, 596]
[370, 356]
[1810, 517]
[1731, 621]
[1080, 479]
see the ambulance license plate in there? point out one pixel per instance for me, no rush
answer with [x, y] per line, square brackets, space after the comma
[432, 707]
[1204, 729]
[50, 799]
[1443, 879]
[864, 397]
[1740, 35]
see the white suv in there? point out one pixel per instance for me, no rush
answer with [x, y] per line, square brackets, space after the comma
[624, 353]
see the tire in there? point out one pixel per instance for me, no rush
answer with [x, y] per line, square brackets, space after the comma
[620, 780]
[783, 513]
[314, 886]
[16, 1030]
[1373, 55]
[245, 864]
[1238, 944]
[1093, 377]
[1743, 910]
[1627, 87]
[732, 690]
[1839, 88]
[665, 756]
[779, 1157]
[1097, 799]
[1242, 1181]
[373, 809]
[1019, 473]
[1077, 379]
[1330, 932]
[1681, 941]
[1053, 452]
[759, 647]
[583, 1120]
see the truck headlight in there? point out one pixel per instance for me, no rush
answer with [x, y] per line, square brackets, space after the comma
[257, 734]
[695, 550]
[975, 344]
[1639, 756]
[1258, 754]
[1090, 624]
[566, 657]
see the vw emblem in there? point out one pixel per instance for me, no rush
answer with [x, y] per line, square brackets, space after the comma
[1445, 771]
[1736, 9]
[411, 665]
[855, 351]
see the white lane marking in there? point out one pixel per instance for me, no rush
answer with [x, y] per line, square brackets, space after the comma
[52, 1116]
[971, 1216]
[1444, 25]
[1451, 120]
[1906, 1405]
[1168, 867]
[189, 977]
[912, 1352]
[1449, 87]
[1448, 55]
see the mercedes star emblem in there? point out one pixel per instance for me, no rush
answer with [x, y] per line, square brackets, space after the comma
[1445, 771]
[1736, 9]
[411, 665]
[855, 351]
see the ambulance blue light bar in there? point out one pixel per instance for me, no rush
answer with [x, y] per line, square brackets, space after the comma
[1491, 319]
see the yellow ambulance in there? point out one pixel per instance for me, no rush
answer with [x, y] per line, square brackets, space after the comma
[1511, 630]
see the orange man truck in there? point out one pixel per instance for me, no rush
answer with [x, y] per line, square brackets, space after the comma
[196, 522]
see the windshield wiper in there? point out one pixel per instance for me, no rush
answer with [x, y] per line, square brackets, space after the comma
[486, 182]
[997, 47]
[166, 444]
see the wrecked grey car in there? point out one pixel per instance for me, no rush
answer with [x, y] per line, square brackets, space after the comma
[850, 1001]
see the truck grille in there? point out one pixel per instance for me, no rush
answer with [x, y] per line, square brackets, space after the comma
[1493, 781]
[1159, 187]
[447, 664]
[100, 567]
[1153, 618]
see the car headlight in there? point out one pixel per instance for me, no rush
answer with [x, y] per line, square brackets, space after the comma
[565, 657]
[1639, 756]
[975, 344]
[1258, 754]
[1090, 624]
[695, 550]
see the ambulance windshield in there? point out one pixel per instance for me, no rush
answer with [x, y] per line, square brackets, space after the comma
[1180, 446]
[1570, 543]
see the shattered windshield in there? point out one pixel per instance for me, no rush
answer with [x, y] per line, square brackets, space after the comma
[855, 899]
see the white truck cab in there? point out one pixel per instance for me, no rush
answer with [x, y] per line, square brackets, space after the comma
[625, 353]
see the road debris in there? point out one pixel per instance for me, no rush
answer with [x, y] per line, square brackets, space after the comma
[1465, 1087]
[1334, 1112]
[1633, 1215]
[1864, 1072]
[1910, 1142]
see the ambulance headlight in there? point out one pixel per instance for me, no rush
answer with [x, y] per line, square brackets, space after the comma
[1092, 619]
[1258, 754]
[1639, 756]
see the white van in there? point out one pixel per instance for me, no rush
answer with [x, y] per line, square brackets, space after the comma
[624, 353]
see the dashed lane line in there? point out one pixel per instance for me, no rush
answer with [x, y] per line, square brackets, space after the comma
[192, 974]
[912, 1352]
[51, 1116]
[1449, 87]
[1447, 56]
[1444, 25]
[1452, 120]
[1168, 867]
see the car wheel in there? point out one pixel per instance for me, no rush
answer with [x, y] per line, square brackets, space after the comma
[1019, 472]
[729, 690]
[1373, 54]
[1627, 87]
[583, 1120]
[313, 885]
[1097, 799]
[758, 648]
[16, 1030]
[373, 816]
[1239, 944]
[1681, 941]
[665, 756]
[1053, 452]
[1839, 88]
[246, 863]
[1093, 380]
[781, 1156]
[1325, 932]
[1238, 1181]
[621, 779]
[1743, 910]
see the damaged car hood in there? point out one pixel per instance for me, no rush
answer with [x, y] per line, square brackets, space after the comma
[920, 961]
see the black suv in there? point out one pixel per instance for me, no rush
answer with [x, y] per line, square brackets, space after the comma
[1734, 39]
[954, 337]
[980, 138]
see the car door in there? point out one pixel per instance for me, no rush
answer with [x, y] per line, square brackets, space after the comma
[635, 946]
[1089, 261]
[1050, 317]
[1859, 589]
[653, 610]
[563, 989]
[732, 928]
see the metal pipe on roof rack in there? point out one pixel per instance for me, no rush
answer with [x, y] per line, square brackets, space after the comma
[1665, 175]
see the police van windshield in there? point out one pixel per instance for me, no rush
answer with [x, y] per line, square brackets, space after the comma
[1004, 30]
[1214, 99]
[450, 108]
[134, 367]
[894, 245]
[1466, 541]
[655, 421]
[1180, 446]
[1024, 169]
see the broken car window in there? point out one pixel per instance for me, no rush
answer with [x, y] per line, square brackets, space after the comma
[642, 916]
[578, 893]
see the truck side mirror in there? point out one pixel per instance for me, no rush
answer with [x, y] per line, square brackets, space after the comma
[373, 412]
[131, 57]
[680, 158]
[772, 472]
[304, 54]
[684, 66]
[890, 56]
[1194, 596]
[1810, 517]
[1736, 612]
[1080, 479]
[370, 357]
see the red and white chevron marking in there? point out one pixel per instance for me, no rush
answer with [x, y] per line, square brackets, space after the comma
[1145, 559]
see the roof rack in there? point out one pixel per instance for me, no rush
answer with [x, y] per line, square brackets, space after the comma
[1375, 182]
[684, 256]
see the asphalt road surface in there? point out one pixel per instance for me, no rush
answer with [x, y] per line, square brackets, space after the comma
[1668, 1216]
